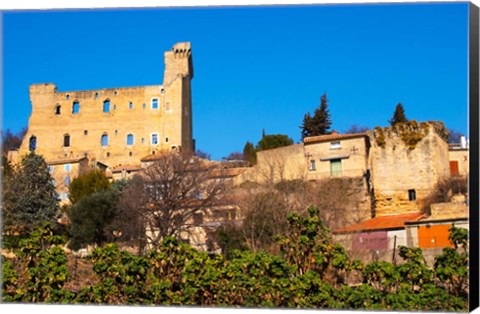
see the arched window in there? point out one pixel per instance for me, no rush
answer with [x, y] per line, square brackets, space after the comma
[130, 139]
[104, 140]
[106, 106]
[32, 145]
[66, 140]
[75, 107]
[58, 109]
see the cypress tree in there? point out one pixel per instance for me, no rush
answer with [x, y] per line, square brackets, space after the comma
[249, 153]
[320, 123]
[398, 115]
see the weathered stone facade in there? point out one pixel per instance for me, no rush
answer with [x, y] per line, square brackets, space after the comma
[114, 126]
[406, 162]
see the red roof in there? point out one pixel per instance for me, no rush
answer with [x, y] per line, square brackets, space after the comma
[332, 137]
[390, 222]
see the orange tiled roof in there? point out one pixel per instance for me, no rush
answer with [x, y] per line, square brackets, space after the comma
[382, 223]
[332, 137]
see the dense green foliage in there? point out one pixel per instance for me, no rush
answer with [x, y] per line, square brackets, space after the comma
[29, 196]
[271, 141]
[87, 184]
[311, 272]
[319, 123]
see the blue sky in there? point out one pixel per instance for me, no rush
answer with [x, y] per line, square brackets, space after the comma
[255, 67]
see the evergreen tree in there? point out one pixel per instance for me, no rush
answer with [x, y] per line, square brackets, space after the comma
[90, 217]
[249, 153]
[30, 198]
[398, 115]
[320, 123]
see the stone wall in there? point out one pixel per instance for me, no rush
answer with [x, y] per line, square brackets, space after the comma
[275, 165]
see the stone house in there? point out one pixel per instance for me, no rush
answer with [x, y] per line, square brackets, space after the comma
[337, 155]
[63, 171]
[458, 156]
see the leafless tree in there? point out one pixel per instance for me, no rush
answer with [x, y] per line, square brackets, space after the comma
[170, 191]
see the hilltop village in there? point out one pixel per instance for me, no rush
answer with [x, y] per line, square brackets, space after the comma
[379, 188]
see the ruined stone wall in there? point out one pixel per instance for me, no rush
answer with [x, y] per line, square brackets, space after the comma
[140, 120]
[275, 165]
[406, 163]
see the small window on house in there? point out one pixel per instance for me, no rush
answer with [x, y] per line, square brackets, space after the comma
[67, 167]
[154, 139]
[166, 140]
[54, 183]
[66, 181]
[115, 93]
[130, 105]
[162, 91]
[130, 139]
[412, 195]
[58, 109]
[143, 140]
[85, 132]
[130, 154]
[50, 169]
[335, 145]
[104, 140]
[75, 107]
[66, 140]
[108, 154]
[32, 144]
[64, 195]
[312, 165]
[155, 103]
[106, 106]
[114, 107]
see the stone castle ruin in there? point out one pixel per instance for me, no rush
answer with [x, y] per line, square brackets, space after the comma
[114, 126]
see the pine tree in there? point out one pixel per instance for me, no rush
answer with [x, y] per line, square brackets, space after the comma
[320, 123]
[398, 115]
[31, 199]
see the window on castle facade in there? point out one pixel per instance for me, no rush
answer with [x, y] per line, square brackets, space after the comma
[130, 105]
[76, 107]
[154, 139]
[106, 106]
[66, 140]
[130, 139]
[58, 109]
[155, 103]
[312, 166]
[104, 140]
[32, 145]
